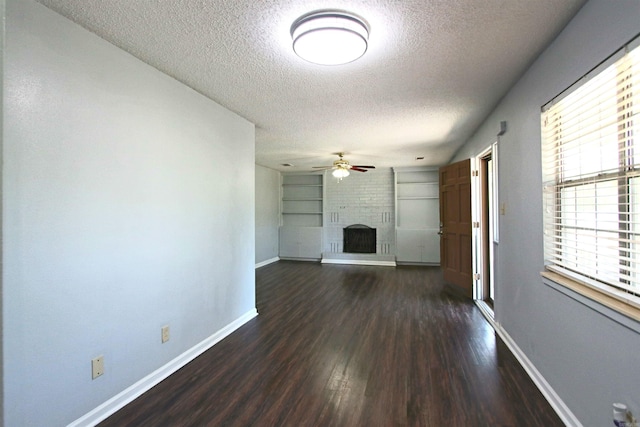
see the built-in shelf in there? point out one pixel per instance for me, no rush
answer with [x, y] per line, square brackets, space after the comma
[301, 207]
[417, 215]
[418, 182]
[417, 198]
[301, 213]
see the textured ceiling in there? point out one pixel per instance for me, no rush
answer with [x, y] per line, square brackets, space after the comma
[433, 71]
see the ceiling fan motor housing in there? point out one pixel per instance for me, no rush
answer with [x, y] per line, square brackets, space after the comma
[342, 164]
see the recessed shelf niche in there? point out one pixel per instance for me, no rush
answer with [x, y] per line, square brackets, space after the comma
[417, 215]
[302, 208]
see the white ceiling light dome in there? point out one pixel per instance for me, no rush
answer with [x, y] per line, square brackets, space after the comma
[340, 173]
[329, 37]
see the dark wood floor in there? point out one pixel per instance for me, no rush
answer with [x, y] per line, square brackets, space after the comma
[342, 345]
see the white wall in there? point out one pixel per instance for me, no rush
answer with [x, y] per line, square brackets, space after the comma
[2, 38]
[128, 205]
[361, 198]
[589, 359]
[267, 213]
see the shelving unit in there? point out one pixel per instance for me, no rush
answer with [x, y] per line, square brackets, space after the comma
[301, 207]
[417, 215]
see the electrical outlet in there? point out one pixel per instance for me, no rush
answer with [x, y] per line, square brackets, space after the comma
[165, 334]
[97, 367]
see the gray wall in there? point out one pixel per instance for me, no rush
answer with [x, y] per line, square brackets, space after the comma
[267, 213]
[128, 205]
[589, 359]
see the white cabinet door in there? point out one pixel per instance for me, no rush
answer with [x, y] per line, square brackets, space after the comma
[301, 242]
[418, 245]
[431, 246]
[289, 246]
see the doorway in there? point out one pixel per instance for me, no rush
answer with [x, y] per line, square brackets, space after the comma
[469, 226]
[487, 210]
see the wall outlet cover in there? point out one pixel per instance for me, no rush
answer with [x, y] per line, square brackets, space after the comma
[97, 367]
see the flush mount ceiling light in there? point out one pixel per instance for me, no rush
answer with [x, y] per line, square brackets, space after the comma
[329, 37]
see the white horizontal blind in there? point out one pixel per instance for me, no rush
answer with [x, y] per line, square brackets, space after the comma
[591, 178]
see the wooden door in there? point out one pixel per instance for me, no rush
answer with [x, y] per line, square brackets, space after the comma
[455, 219]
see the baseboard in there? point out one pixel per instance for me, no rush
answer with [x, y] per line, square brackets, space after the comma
[127, 396]
[267, 262]
[358, 262]
[418, 264]
[545, 388]
[488, 312]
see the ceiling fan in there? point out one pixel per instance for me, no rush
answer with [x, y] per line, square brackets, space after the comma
[341, 167]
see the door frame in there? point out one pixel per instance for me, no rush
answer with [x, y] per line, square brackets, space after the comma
[485, 231]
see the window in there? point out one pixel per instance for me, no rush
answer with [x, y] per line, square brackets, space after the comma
[591, 178]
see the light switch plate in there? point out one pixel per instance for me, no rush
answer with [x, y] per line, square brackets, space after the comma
[97, 367]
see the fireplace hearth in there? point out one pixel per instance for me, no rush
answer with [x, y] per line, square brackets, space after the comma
[359, 239]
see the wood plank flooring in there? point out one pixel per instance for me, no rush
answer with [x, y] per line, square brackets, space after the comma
[338, 345]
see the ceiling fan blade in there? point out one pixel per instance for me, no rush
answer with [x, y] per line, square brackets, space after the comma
[322, 167]
[356, 168]
[363, 167]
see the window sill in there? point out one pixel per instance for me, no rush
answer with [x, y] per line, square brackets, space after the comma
[622, 312]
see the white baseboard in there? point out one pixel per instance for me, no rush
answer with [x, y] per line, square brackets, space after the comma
[267, 262]
[358, 262]
[545, 388]
[125, 397]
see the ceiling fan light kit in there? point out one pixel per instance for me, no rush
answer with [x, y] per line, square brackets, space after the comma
[329, 37]
[340, 173]
[341, 167]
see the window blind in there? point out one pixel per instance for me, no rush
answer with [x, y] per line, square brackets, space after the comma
[591, 178]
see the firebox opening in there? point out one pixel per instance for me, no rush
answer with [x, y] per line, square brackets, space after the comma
[359, 239]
